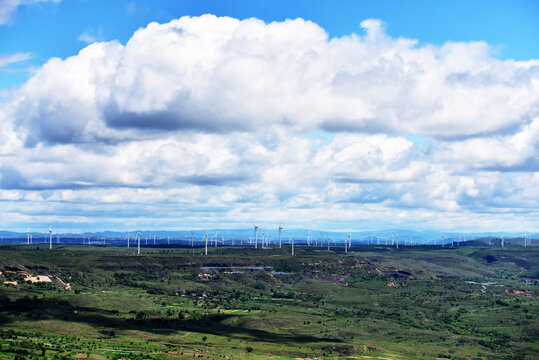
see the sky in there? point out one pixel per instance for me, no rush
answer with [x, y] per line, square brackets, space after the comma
[329, 115]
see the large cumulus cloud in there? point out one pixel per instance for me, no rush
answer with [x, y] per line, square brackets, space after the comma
[222, 74]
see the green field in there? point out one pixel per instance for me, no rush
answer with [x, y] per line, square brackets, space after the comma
[370, 303]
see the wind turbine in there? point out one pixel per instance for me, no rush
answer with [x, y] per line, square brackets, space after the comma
[127, 239]
[138, 242]
[28, 236]
[503, 242]
[256, 238]
[262, 244]
[349, 242]
[292, 239]
[205, 244]
[397, 241]
[50, 238]
[280, 241]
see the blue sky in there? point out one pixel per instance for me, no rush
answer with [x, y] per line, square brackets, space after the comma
[426, 118]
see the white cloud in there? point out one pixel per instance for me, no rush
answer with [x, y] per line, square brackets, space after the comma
[517, 151]
[91, 36]
[210, 119]
[222, 74]
[9, 7]
[6, 60]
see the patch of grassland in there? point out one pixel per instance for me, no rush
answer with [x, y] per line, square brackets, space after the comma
[370, 303]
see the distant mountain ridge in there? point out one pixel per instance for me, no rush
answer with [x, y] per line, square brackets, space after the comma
[381, 237]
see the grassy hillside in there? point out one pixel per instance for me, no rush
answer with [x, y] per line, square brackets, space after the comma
[373, 303]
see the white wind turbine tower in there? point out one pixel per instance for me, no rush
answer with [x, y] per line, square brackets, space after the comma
[50, 238]
[262, 239]
[127, 239]
[256, 238]
[503, 243]
[280, 241]
[292, 240]
[138, 242]
[215, 243]
[397, 241]
[28, 236]
[205, 243]
[346, 242]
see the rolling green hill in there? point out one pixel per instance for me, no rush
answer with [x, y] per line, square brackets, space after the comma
[372, 303]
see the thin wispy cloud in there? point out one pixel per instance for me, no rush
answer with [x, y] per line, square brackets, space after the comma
[91, 36]
[6, 60]
[131, 8]
[8, 8]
